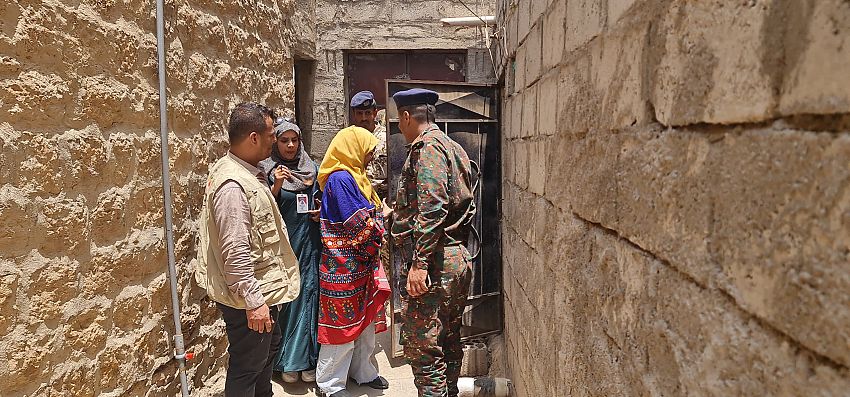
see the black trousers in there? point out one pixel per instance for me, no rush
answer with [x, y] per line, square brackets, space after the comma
[249, 370]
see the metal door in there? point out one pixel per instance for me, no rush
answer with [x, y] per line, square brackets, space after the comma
[369, 70]
[469, 114]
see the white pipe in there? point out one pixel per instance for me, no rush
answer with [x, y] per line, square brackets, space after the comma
[179, 350]
[484, 387]
[468, 21]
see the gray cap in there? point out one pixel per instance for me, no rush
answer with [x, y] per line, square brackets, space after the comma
[286, 126]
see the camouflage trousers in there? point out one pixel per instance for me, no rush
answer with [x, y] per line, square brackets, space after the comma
[431, 329]
[388, 270]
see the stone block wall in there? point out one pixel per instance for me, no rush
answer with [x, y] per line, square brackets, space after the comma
[676, 197]
[303, 25]
[384, 25]
[85, 306]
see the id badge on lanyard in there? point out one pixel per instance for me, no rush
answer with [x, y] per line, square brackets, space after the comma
[302, 203]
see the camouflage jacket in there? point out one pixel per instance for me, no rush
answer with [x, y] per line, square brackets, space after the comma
[434, 200]
[377, 169]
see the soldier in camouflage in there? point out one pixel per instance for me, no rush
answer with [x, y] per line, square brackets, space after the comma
[364, 111]
[433, 207]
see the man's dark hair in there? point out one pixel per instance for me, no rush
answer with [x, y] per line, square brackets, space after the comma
[247, 117]
[421, 113]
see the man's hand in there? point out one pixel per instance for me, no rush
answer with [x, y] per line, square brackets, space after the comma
[416, 281]
[387, 210]
[259, 319]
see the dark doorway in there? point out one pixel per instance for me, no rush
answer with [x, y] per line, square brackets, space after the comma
[305, 75]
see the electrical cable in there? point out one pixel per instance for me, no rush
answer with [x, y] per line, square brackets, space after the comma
[487, 36]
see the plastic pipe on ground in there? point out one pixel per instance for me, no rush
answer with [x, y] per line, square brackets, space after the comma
[484, 387]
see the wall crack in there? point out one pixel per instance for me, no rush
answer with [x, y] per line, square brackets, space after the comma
[819, 357]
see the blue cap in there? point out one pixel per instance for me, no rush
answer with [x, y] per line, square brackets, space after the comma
[415, 96]
[363, 99]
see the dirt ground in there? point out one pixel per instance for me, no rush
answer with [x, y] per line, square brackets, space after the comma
[395, 371]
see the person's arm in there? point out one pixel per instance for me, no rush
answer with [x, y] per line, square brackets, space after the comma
[433, 197]
[233, 217]
[432, 194]
[274, 185]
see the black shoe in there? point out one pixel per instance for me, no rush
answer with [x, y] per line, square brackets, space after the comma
[377, 383]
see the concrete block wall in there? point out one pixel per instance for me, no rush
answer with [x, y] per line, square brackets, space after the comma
[85, 306]
[384, 25]
[676, 204]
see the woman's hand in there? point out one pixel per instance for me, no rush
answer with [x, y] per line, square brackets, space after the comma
[315, 214]
[281, 173]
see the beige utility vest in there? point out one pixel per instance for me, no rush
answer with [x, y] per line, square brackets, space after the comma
[275, 264]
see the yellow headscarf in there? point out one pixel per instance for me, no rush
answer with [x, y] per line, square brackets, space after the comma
[347, 151]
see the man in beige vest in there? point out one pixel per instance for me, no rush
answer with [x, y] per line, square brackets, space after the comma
[245, 262]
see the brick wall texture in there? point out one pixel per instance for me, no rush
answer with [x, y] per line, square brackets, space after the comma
[677, 197]
[84, 295]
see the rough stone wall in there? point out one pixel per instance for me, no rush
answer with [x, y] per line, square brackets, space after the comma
[677, 197]
[383, 25]
[84, 295]
[303, 24]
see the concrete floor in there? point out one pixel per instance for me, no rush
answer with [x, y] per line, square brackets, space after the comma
[397, 373]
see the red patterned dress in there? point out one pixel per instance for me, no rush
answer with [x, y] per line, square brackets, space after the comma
[352, 283]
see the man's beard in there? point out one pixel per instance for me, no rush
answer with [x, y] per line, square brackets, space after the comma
[367, 125]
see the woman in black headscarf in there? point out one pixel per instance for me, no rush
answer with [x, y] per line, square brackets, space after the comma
[292, 177]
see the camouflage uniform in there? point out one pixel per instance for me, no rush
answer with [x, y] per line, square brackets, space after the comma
[433, 203]
[377, 173]
[377, 169]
